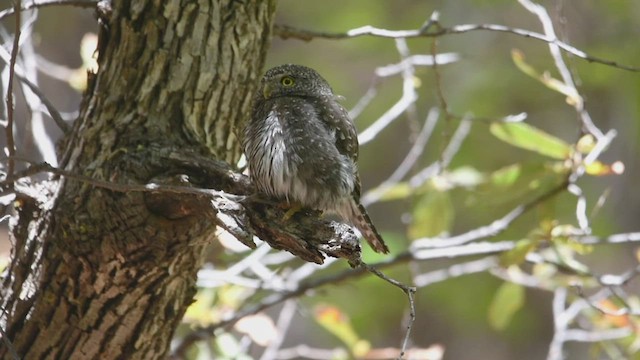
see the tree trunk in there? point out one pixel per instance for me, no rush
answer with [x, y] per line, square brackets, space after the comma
[103, 274]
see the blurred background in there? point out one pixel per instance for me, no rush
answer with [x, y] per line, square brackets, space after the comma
[484, 84]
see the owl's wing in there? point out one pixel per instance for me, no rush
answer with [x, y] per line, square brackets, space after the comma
[337, 119]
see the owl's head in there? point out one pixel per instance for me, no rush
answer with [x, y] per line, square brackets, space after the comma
[294, 80]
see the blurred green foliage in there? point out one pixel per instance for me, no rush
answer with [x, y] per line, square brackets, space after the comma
[489, 85]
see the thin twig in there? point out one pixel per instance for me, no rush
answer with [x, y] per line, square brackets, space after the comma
[37, 168]
[11, 146]
[409, 291]
[285, 31]
[7, 342]
[390, 70]
[456, 270]
[567, 77]
[409, 161]
[560, 324]
[45, 3]
[51, 109]
[53, 112]
[593, 302]
[409, 97]
[442, 101]
[446, 156]
[417, 60]
[490, 230]
[284, 321]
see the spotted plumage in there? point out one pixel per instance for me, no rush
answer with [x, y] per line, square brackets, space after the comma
[302, 146]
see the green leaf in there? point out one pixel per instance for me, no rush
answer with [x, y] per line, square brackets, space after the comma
[565, 235]
[506, 302]
[432, 215]
[518, 183]
[507, 175]
[530, 138]
[398, 191]
[517, 255]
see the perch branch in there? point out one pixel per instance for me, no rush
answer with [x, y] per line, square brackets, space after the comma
[237, 210]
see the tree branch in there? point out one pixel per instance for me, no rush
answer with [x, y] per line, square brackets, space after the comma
[237, 209]
[11, 146]
[286, 31]
[35, 4]
[53, 112]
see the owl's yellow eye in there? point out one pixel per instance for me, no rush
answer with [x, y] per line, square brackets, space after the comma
[287, 81]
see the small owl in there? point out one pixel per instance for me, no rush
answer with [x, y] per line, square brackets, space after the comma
[302, 146]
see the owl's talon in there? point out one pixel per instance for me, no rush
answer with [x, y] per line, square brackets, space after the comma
[291, 212]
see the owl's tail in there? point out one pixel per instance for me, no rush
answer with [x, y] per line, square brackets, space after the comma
[361, 220]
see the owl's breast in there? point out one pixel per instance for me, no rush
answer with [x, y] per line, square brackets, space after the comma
[292, 154]
[265, 149]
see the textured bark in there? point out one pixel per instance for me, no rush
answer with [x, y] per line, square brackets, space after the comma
[101, 274]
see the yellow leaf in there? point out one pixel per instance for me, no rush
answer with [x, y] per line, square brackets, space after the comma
[598, 168]
[336, 322]
[88, 45]
[200, 311]
[507, 175]
[573, 98]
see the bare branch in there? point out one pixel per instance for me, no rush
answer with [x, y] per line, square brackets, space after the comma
[417, 60]
[447, 155]
[612, 239]
[284, 321]
[490, 230]
[11, 146]
[409, 161]
[46, 3]
[594, 301]
[560, 324]
[567, 77]
[457, 270]
[409, 96]
[285, 32]
[53, 112]
[562, 333]
[409, 291]
[7, 342]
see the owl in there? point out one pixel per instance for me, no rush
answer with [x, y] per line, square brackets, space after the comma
[302, 147]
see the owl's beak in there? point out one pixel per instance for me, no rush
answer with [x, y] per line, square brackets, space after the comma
[266, 91]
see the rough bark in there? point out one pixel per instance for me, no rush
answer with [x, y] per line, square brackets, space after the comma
[102, 274]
